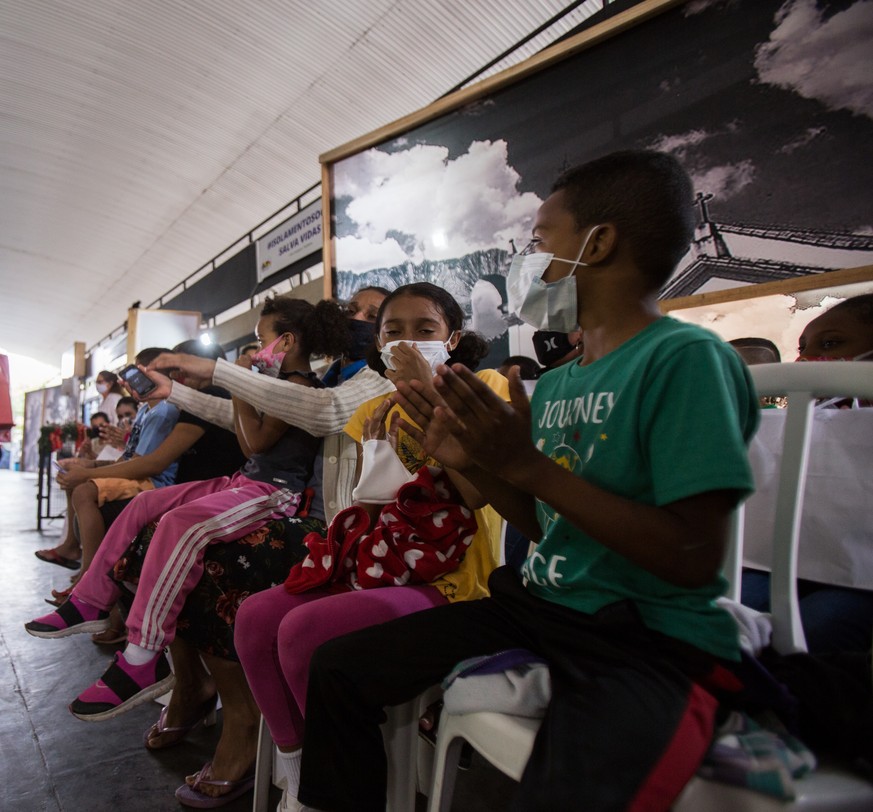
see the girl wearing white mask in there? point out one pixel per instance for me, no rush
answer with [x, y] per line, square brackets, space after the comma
[110, 393]
[418, 326]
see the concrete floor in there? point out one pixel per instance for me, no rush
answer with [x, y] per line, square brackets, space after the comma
[52, 762]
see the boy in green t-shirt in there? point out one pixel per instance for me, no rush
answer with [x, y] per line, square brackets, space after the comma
[625, 468]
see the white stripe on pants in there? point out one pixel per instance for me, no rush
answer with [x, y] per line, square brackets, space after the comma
[174, 562]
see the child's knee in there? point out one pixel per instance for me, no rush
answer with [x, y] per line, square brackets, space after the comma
[85, 494]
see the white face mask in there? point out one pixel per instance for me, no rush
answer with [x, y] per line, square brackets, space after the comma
[102, 388]
[544, 305]
[434, 352]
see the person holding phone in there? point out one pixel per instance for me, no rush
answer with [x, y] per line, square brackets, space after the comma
[114, 437]
[137, 382]
[92, 484]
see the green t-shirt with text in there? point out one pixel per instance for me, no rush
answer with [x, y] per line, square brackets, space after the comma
[664, 416]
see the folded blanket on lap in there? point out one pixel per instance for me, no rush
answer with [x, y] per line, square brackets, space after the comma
[416, 539]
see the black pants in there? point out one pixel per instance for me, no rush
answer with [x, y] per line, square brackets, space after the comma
[627, 725]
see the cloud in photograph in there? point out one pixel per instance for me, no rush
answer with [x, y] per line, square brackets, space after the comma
[725, 180]
[826, 60]
[362, 255]
[446, 208]
[679, 144]
[804, 139]
[697, 6]
[721, 180]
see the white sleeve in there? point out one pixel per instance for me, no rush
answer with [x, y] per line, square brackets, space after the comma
[208, 407]
[318, 411]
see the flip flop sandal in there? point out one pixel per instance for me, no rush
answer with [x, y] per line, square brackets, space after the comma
[59, 598]
[53, 557]
[191, 796]
[206, 715]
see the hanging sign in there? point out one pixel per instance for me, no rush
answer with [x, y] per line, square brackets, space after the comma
[298, 237]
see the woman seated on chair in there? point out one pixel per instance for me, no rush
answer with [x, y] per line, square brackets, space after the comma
[835, 618]
[418, 326]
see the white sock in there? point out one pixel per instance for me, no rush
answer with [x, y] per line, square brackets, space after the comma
[288, 771]
[137, 655]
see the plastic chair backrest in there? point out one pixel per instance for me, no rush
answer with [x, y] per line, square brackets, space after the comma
[803, 384]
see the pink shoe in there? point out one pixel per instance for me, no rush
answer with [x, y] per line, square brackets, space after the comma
[72, 617]
[123, 686]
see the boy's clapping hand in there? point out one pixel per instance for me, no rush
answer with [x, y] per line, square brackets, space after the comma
[492, 432]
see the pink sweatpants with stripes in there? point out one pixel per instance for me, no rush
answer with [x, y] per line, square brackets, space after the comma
[276, 634]
[192, 516]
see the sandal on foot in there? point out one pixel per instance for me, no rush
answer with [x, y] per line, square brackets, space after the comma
[54, 557]
[110, 637]
[190, 795]
[69, 618]
[123, 686]
[59, 597]
[206, 715]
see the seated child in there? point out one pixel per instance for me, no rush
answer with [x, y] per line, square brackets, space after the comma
[835, 618]
[278, 630]
[629, 486]
[92, 484]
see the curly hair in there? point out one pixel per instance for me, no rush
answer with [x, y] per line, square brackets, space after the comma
[320, 328]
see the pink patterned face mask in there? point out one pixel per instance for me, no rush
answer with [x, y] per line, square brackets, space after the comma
[864, 356]
[269, 362]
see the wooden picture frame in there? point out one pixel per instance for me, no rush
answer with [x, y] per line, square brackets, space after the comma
[782, 175]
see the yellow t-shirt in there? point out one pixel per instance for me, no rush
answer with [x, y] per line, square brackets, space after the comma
[470, 580]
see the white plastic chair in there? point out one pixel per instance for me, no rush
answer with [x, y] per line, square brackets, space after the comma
[506, 741]
[400, 733]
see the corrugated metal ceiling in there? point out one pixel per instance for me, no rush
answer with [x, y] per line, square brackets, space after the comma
[138, 139]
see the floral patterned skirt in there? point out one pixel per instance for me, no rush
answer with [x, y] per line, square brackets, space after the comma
[232, 571]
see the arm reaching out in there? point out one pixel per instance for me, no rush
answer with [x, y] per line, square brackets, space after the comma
[194, 366]
[318, 411]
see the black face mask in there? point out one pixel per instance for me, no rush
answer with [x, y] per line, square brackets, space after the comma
[363, 334]
[550, 347]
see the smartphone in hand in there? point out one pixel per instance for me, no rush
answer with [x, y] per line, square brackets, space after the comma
[136, 381]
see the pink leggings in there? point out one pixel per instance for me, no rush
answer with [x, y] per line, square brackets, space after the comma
[277, 633]
[192, 516]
